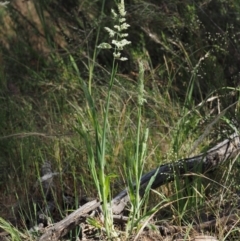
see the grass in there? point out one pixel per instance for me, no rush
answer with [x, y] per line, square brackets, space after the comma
[100, 136]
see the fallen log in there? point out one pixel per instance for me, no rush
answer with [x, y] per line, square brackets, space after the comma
[203, 163]
[61, 228]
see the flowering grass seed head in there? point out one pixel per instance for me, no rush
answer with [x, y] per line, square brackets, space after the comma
[121, 9]
[141, 98]
[115, 15]
[110, 32]
[119, 36]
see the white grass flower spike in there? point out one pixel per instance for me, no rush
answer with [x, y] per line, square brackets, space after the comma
[118, 35]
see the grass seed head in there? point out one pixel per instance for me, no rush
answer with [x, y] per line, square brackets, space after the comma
[119, 36]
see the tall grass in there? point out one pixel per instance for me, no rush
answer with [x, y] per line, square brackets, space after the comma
[135, 164]
[97, 159]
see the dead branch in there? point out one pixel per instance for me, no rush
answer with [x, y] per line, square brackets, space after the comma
[203, 163]
[71, 221]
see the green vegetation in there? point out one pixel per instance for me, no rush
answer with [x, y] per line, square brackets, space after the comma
[102, 122]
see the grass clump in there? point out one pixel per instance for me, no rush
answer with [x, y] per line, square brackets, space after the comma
[97, 162]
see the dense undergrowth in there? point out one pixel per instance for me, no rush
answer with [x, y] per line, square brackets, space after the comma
[49, 59]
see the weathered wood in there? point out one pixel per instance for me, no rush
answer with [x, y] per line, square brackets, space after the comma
[71, 221]
[203, 163]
